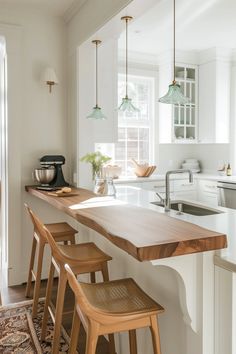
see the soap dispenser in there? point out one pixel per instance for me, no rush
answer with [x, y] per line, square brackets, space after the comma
[229, 170]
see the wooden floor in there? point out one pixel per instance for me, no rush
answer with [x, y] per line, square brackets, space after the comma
[17, 294]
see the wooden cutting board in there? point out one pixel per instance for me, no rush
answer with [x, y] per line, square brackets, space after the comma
[70, 194]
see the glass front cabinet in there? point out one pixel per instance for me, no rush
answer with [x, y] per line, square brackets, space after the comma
[184, 117]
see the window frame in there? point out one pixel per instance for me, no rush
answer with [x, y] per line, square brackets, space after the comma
[151, 77]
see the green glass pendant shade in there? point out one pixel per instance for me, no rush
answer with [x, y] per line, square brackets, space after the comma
[174, 96]
[127, 106]
[96, 114]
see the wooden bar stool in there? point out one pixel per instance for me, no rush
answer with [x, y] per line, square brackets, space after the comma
[82, 258]
[61, 232]
[110, 307]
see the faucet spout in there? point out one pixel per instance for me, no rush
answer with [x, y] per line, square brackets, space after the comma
[168, 173]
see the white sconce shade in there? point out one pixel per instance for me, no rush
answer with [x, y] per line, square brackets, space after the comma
[49, 76]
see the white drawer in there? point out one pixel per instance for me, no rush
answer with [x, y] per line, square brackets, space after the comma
[209, 198]
[132, 184]
[158, 186]
[186, 195]
[184, 185]
[208, 186]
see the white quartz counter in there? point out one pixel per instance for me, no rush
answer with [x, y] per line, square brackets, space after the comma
[157, 177]
[224, 222]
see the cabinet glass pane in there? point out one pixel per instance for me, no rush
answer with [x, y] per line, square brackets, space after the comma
[190, 73]
[176, 115]
[179, 72]
[193, 93]
[193, 115]
[188, 90]
[188, 116]
[190, 133]
[181, 115]
[179, 133]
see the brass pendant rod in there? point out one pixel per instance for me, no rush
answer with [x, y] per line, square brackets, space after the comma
[174, 44]
[126, 58]
[96, 42]
[127, 19]
[96, 74]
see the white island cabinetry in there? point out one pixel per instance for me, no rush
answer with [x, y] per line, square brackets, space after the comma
[207, 192]
[188, 287]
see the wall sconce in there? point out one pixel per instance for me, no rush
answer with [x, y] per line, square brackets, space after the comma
[49, 76]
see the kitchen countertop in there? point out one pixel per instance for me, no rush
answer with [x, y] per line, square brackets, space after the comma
[156, 177]
[134, 225]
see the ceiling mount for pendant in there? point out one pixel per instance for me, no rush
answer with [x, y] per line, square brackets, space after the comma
[126, 105]
[174, 94]
[96, 113]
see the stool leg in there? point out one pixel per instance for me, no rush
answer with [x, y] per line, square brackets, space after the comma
[38, 279]
[105, 274]
[155, 335]
[74, 332]
[112, 348]
[72, 240]
[93, 277]
[92, 338]
[132, 342]
[59, 310]
[31, 267]
[47, 301]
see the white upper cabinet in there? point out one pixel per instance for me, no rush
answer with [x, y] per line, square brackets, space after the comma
[185, 117]
[205, 77]
[214, 96]
[179, 124]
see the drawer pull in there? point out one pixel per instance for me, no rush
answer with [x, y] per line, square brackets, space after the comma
[209, 186]
[187, 184]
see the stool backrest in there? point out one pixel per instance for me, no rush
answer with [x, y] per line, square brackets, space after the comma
[38, 225]
[80, 297]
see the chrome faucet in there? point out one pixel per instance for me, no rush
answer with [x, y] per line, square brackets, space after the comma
[168, 173]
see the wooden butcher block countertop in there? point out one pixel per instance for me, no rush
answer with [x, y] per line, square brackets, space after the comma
[143, 233]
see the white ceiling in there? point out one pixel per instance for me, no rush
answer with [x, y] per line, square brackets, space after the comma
[56, 7]
[200, 24]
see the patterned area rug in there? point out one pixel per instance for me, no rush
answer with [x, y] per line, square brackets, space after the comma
[20, 334]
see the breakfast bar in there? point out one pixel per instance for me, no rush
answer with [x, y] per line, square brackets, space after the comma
[143, 233]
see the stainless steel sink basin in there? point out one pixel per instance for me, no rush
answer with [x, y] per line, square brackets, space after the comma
[190, 208]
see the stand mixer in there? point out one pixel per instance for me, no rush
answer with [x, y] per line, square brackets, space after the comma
[49, 162]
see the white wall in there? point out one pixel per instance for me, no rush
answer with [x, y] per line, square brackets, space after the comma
[210, 156]
[37, 120]
[91, 16]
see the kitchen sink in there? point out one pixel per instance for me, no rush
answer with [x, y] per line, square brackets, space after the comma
[190, 208]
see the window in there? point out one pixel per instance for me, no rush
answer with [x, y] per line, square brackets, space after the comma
[135, 129]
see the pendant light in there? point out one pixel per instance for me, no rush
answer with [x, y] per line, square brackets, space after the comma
[126, 105]
[174, 94]
[96, 113]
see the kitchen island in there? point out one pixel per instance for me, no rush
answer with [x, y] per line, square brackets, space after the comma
[141, 232]
[187, 285]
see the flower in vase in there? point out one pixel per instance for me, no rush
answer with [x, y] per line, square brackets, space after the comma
[97, 160]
